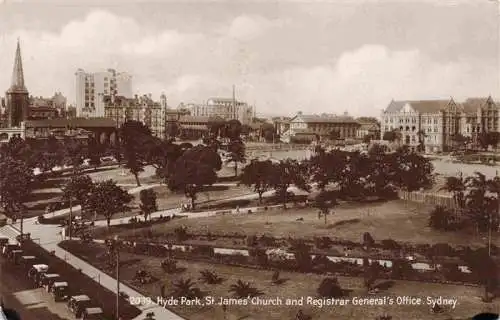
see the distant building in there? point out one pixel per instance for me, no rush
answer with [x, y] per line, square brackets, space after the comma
[47, 108]
[17, 96]
[225, 108]
[92, 87]
[193, 127]
[140, 108]
[434, 124]
[368, 127]
[281, 125]
[309, 127]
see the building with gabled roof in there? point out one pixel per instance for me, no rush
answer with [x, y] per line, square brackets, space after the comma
[434, 124]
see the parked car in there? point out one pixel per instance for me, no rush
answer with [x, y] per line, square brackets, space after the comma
[60, 290]
[36, 271]
[78, 304]
[26, 262]
[93, 314]
[14, 254]
[47, 279]
[8, 248]
[3, 241]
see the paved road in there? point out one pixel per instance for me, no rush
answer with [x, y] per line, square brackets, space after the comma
[31, 304]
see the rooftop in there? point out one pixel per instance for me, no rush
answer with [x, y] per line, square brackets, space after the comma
[74, 122]
[422, 106]
[326, 119]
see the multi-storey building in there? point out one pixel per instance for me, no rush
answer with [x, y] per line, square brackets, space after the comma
[92, 87]
[225, 108]
[435, 123]
[140, 108]
[308, 127]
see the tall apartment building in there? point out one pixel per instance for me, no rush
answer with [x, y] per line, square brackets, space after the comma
[140, 108]
[91, 88]
[435, 122]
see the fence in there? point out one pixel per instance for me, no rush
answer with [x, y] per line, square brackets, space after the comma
[434, 199]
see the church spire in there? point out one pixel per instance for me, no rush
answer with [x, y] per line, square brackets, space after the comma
[18, 73]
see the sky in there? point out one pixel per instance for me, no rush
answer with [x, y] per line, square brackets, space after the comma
[282, 56]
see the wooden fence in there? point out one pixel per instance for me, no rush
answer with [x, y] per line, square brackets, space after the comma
[430, 198]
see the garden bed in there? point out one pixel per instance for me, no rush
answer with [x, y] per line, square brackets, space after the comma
[294, 285]
[402, 221]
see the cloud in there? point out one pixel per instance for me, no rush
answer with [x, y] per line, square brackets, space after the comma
[267, 60]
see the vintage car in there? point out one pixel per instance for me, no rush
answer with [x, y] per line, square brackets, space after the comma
[36, 271]
[59, 291]
[93, 314]
[8, 248]
[14, 254]
[47, 279]
[3, 241]
[26, 262]
[78, 304]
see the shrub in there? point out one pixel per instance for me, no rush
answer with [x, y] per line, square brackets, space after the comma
[330, 288]
[441, 218]
[210, 277]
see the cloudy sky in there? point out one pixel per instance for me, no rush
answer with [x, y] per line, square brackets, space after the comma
[284, 56]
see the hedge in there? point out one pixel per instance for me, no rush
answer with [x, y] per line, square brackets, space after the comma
[83, 284]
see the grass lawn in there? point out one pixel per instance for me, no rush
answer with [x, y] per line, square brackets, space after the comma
[399, 220]
[297, 285]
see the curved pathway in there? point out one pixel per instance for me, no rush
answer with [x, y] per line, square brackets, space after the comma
[49, 236]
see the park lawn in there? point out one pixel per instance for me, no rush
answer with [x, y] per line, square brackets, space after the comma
[167, 199]
[297, 285]
[399, 220]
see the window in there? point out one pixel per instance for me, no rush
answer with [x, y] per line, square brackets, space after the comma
[414, 120]
[435, 121]
[436, 129]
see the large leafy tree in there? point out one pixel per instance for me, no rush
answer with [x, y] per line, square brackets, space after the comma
[135, 137]
[197, 167]
[257, 174]
[456, 185]
[108, 199]
[233, 129]
[414, 171]
[481, 205]
[148, 202]
[79, 188]
[94, 152]
[237, 153]
[325, 201]
[74, 152]
[285, 174]
[16, 182]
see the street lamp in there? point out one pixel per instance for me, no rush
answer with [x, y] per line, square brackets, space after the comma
[114, 245]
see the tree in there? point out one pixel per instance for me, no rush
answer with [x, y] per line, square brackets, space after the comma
[257, 174]
[325, 201]
[184, 288]
[243, 290]
[302, 254]
[268, 132]
[456, 185]
[148, 202]
[135, 137]
[414, 171]
[236, 154]
[368, 138]
[196, 168]
[80, 188]
[94, 152]
[441, 218]
[172, 130]
[330, 288]
[210, 277]
[233, 129]
[480, 205]
[371, 271]
[16, 179]
[284, 174]
[108, 199]
[73, 153]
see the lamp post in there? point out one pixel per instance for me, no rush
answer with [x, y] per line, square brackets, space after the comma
[115, 248]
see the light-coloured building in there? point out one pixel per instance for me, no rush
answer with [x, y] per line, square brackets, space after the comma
[434, 124]
[92, 87]
[308, 127]
[140, 108]
[225, 108]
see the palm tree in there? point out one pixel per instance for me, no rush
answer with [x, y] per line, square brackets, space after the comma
[210, 277]
[185, 288]
[242, 290]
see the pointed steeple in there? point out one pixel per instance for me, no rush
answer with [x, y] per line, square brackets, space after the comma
[18, 73]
